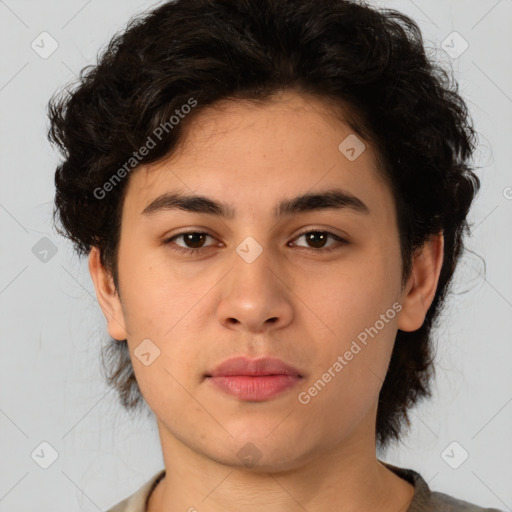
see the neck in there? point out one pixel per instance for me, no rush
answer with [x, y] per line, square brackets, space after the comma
[347, 477]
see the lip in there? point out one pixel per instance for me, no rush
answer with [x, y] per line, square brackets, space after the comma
[253, 367]
[254, 379]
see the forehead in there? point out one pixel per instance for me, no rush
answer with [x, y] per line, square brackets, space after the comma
[252, 156]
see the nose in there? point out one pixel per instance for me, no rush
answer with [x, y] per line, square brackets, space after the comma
[256, 295]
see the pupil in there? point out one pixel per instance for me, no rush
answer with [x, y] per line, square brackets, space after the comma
[319, 235]
[190, 236]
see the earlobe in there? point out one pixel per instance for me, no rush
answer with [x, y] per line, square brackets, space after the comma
[422, 285]
[107, 296]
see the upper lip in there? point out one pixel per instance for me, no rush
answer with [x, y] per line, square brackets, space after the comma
[254, 367]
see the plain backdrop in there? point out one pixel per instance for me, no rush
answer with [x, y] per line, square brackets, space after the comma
[51, 388]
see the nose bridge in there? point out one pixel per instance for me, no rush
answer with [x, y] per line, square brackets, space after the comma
[253, 295]
[253, 264]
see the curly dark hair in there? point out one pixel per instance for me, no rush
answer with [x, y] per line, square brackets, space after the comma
[371, 62]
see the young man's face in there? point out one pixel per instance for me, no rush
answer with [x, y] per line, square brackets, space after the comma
[261, 285]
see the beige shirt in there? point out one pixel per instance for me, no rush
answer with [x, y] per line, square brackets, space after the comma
[424, 500]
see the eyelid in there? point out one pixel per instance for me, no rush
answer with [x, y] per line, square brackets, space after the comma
[341, 241]
[170, 240]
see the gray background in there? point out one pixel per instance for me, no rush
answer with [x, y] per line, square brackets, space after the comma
[52, 328]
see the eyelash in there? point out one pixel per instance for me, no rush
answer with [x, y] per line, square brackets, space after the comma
[183, 250]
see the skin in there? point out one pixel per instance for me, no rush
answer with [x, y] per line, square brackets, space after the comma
[317, 456]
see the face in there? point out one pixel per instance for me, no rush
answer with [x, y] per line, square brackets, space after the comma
[316, 286]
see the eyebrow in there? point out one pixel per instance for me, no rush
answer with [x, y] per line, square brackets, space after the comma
[334, 198]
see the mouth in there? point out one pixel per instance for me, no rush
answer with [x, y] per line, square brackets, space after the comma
[254, 380]
[254, 389]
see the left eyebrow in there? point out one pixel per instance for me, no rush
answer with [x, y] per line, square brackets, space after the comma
[334, 198]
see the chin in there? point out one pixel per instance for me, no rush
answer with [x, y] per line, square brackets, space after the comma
[260, 454]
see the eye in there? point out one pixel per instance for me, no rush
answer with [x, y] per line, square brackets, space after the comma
[318, 239]
[190, 237]
[196, 239]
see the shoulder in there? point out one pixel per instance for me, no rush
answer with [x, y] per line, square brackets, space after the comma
[426, 500]
[445, 503]
[137, 501]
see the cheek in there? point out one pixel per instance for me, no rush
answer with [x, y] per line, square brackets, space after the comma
[359, 307]
[155, 295]
[160, 307]
[171, 368]
[352, 298]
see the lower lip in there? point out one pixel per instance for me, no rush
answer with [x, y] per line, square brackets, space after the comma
[254, 388]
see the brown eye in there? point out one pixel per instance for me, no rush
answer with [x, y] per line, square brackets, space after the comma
[194, 241]
[318, 239]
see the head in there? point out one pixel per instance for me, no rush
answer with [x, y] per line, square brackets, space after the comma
[252, 107]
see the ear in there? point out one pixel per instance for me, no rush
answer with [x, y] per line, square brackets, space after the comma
[107, 296]
[422, 284]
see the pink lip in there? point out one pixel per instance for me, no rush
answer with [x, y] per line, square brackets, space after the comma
[254, 379]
